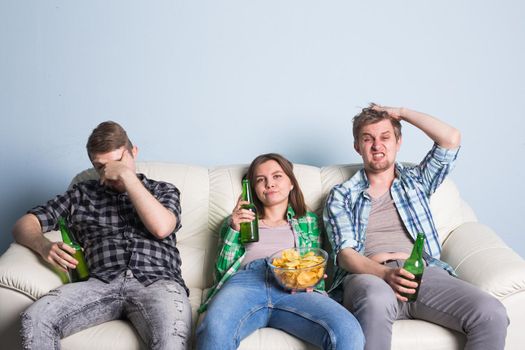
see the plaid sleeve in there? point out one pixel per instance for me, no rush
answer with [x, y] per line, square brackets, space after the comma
[230, 249]
[338, 221]
[60, 206]
[435, 167]
[169, 196]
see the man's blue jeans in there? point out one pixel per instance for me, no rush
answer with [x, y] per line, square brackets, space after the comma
[160, 312]
[251, 299]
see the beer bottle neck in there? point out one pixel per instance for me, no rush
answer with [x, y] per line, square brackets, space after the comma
[64, 232]
[246, 191]
[417, 252]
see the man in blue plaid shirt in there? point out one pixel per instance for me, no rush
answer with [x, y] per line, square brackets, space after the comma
[126, 224]
[372, 220]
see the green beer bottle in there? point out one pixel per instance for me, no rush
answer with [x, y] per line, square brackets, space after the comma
[81, 272]
[415, 265]
[249, 230]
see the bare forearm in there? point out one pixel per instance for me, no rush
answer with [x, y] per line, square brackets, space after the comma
[440, 132]
[397, 278]
[158, 220]
[353, 262]
[28, 232]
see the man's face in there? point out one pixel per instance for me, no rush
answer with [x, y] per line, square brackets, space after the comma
[121, 157]
[378, 146]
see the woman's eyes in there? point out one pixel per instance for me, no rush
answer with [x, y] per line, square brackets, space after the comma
[262, 179]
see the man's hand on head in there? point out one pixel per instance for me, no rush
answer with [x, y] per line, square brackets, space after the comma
[394, 112]
[117, 170]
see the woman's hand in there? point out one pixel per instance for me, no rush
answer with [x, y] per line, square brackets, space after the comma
[240, 215]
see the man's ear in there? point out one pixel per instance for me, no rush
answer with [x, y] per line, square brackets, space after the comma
[399, 142]
[134, 151]
[356, 147]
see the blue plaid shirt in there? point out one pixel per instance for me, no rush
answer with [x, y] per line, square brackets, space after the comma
[348, 207]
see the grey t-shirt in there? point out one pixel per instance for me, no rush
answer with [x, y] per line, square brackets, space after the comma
[271, 240]
[385, 232]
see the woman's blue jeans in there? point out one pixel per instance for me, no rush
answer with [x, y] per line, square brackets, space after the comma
[251, 299]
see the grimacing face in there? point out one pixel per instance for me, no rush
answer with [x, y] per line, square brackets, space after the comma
[378, 146]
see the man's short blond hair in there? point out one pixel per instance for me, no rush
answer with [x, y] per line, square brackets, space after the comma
[371, 116]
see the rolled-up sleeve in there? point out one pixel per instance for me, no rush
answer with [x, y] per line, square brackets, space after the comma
[339, 221]
[435, 167]
[60, 206]
[169, 196]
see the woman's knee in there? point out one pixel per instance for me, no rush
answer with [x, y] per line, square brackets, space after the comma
[214, 333]
[348, 335]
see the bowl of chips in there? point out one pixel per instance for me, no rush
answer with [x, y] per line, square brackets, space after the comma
[298, 268]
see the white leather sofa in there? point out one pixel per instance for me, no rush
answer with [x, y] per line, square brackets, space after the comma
[208, 195]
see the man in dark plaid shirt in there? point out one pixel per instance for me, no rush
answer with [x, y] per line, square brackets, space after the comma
[126, 224]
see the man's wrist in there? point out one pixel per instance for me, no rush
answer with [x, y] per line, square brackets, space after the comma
[403, 113]
[130, 178]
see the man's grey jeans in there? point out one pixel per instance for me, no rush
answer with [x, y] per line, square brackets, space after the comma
[443, 299]
[160, 312]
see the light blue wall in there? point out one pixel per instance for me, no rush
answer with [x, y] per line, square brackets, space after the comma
[189, 78]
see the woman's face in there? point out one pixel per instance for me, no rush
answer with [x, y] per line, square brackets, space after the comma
[272, 185]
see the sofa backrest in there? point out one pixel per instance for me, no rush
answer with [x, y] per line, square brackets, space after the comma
[209, 195]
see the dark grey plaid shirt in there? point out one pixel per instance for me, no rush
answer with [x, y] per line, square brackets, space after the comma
[109, 229]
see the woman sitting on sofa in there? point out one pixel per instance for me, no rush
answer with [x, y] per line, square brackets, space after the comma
[245, 296]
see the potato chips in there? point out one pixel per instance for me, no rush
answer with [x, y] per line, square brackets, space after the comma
[296, 271]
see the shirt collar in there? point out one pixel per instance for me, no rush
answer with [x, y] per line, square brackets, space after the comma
[359, 182]
[290, 213]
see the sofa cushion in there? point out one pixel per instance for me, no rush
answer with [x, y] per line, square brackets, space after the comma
[24, 271]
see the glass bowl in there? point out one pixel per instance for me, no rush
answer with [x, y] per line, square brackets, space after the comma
[298, 268]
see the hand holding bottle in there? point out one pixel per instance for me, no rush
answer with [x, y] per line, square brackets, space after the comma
[401, 282]
[249, 230]
[240, 215]
[415, 265]
[59, 255]
[80, 271]
[400, 279]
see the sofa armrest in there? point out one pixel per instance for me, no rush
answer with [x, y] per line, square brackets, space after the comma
[24, 271]
[480, 257]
